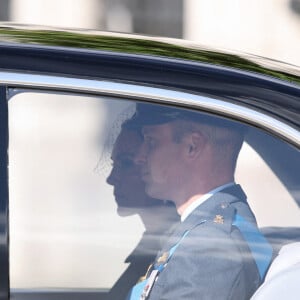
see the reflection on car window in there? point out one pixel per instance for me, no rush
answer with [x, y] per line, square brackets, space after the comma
[151, 194]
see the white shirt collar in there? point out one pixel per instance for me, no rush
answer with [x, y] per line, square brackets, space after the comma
[203, 198]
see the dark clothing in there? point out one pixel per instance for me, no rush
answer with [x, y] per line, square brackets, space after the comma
[138, 260]
[144, 254]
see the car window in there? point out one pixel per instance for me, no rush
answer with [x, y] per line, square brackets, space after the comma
[251, 172]
[76, 222]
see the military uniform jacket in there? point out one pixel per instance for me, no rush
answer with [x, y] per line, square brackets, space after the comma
[213, 261]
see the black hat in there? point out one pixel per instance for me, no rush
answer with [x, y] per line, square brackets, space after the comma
[155, 114]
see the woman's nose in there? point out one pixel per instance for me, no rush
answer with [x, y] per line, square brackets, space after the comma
[112, 178]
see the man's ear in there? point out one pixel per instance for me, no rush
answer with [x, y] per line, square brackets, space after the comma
[195, 144]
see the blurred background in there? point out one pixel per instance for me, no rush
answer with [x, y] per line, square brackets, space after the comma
[268, 28]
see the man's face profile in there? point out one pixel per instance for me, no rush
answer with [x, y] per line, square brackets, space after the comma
[160, 158]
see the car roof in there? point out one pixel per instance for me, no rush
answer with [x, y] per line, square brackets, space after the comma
[268, 86]
[147, 45]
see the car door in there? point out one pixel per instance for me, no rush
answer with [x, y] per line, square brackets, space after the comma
[68, 236]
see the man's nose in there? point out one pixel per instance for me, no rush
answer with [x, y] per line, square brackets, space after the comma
[141, 155]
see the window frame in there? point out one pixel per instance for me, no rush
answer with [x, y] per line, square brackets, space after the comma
[154, 95]
[4, 221]
[139, 92]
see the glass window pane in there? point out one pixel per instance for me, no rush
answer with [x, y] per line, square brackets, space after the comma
[63, 219]
[99, 186]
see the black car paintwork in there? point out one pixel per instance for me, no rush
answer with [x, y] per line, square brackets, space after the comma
[264, 93]
[163, 47]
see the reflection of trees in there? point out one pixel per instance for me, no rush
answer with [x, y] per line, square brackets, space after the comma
[295, 6]
[124, 44]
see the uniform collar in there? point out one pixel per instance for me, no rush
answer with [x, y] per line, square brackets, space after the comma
[207, 211]
[203, 198]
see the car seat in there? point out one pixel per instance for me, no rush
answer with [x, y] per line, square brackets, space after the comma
[283, 278]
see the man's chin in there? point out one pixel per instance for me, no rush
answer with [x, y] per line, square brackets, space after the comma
[153, 193]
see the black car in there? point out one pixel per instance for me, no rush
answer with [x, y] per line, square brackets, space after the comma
[65, 95]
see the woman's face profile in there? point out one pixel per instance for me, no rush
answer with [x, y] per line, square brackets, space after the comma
[125, 176]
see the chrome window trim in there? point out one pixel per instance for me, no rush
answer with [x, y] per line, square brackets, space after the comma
[154, 94]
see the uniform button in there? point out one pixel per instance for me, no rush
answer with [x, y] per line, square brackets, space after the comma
[224, 205]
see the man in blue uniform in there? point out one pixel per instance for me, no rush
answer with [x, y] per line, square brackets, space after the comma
[216, 252]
